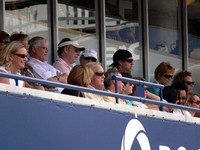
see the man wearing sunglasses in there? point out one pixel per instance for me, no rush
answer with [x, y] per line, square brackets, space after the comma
[163, 74]
[4, 39]
[185, 77]
[68, 53]
[122, 61]
[88, 55]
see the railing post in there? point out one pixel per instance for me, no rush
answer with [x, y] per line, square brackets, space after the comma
[116, 87]
[139, 90]
[161, 98]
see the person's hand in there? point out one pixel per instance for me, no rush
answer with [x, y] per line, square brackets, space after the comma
[62, 78]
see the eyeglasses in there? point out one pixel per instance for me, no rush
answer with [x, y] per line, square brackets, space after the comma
[90, 58]
[189, 83]
[168, 76]
[20, 55]
[195, 101]
[45, 48]
[77, 50]
[181, 98]
[129, 60]
[99, 73]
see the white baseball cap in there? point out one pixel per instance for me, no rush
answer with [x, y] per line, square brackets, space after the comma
[73, 43]
[89, 53]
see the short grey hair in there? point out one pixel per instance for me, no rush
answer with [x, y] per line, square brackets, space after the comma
[108, 77]
[33, 42]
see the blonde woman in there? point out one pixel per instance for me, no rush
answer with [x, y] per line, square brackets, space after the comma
[27, 70]
[193, 101]
[80, 75]
[12, 59]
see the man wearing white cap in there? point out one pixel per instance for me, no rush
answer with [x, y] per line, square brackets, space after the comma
[68, 52]
[88, 55]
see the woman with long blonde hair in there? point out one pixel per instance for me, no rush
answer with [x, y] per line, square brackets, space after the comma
[12, 59]
[193, 101]
[80, 75]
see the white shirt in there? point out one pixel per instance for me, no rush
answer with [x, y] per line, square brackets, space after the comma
[181, 112]
[13, 82]
[43, 70]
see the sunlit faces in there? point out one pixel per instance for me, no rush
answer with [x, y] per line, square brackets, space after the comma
[41, 50]
[181, 98]
[188, 81]
[72, 53]
[128, 88]
[126, 65]
[97, 80]
[195, 102]
[85, 60]
[19, 58]
[166, 77]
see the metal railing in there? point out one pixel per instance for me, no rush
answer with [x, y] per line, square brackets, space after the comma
[101, 92]
[139, 86]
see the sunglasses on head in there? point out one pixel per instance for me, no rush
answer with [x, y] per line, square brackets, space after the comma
[90, 58]
[99, 73]
[168, 76]
[20, 55]
[196, 101]
[189, 83]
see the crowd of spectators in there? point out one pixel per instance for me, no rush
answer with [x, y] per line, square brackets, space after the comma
[89, 73]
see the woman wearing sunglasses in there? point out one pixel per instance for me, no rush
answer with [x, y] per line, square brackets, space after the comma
[193, 100]
[12, 59]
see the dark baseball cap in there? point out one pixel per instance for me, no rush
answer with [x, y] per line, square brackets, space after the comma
[4, 37]
[121, 54]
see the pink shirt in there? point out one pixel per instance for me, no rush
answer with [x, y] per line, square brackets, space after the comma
[62, 66]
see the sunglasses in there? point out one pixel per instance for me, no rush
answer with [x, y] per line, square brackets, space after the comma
[168, 76]
[196, 101]
[129, 60]
[90, 58]
[189, 83]
[21, 55]
[99, 73]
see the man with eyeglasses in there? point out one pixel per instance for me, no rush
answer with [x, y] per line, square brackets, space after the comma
[163, 74]
[68, 53]
[122, 61]
[41, 69]
[4, 39]
[88, 55]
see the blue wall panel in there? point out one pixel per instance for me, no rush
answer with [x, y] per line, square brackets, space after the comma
[38, 124]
